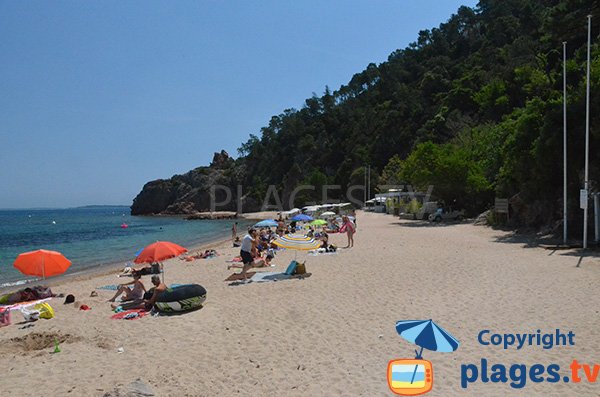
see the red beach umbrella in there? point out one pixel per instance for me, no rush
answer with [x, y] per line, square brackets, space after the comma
[159, 251]
[42, 263]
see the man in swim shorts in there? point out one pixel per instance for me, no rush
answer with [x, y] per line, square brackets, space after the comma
[248, 246]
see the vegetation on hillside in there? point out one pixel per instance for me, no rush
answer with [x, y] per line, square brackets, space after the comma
[473, 107]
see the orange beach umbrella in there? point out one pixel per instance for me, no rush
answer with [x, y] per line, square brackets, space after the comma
[159, 251]
[42, 263]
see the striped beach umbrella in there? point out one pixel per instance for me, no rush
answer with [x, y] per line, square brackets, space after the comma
[297, 242]
[427, 334]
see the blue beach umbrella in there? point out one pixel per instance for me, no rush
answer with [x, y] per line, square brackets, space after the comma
[266, 223]
[426, 334]
[302, 218]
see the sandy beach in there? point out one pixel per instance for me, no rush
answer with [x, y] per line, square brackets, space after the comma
[331, 334]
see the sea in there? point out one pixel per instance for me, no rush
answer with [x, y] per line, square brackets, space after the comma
[92, 237]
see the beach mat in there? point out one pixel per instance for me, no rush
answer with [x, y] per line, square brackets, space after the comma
[110, 287]
[263, 277]
[129, 314]
[24, 305]
[238, 276]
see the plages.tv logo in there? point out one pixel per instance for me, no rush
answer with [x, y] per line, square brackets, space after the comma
[412, 377]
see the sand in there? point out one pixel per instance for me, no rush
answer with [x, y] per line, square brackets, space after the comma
[328, 335]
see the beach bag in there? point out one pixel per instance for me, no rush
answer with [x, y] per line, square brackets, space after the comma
[291, 269]
[30, 315]
[45, 310]
[300, 268]
[4, 317]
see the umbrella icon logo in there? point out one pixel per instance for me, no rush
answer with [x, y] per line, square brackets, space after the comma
[412, 377]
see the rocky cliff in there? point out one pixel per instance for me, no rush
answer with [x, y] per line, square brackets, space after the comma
[190, 193]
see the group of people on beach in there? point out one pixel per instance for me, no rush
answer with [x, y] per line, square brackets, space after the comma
[134, 294]
[257, 249]
[257, 241]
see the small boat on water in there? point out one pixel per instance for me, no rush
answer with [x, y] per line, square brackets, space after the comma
[124, 226]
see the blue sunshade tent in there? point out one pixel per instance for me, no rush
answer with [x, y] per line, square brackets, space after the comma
[302, 218]
[266, 223]
[427, 334]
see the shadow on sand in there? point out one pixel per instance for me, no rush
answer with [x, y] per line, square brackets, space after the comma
[418, 224]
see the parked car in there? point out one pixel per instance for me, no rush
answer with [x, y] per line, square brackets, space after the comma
[442, 214]
[426, 209]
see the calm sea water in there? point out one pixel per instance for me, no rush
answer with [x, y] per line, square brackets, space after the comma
[92, 237]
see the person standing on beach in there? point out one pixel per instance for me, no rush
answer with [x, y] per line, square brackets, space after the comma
[349, 228]
[248, 247]
[234, 231]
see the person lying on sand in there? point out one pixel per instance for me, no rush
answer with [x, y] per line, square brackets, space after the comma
[257, 262]
[206, 254]
[136, 292]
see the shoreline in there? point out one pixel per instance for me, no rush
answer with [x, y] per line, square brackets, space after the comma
[246, 336]
[105, 269]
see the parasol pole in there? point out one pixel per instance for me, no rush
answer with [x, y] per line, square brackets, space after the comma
[417, 365]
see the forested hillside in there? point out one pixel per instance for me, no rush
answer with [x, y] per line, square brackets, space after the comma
[473, 107]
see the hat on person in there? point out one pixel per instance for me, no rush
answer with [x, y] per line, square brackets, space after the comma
[69, 299]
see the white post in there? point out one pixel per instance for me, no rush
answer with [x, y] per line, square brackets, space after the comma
[369, 183]
[365, 190]
[597, 216]
[565, 142]
[587, 131]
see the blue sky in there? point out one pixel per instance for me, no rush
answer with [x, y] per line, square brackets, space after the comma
[98, 98]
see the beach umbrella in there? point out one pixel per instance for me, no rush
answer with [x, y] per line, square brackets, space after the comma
[266, 223]
[42, 263]
[159, 251]
[426, 334]
[327, 214]
[297, 242]
[318, 222]
[302, 218]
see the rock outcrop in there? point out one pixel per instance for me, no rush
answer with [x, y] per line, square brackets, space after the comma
[191, 193]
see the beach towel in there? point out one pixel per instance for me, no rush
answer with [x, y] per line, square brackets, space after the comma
[321, 251]
[238, 276]
[129, 314]
[270, 276]
[110, 287]
[24, 305]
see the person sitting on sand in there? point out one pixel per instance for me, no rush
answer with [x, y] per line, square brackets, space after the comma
[324, 237]
[159, 287]
[237, 242]
[136, 292]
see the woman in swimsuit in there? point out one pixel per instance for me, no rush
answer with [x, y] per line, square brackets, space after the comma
[349, 228]
[131, 294]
